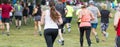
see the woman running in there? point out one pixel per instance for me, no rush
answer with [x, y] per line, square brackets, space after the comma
[85, 26]
[25, 13]
[105, 14]
[69, 15]
[18, 14]
[37, 17]
[117, 26]
[78, 15]
[51, 19]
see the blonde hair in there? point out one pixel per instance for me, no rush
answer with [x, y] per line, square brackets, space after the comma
[104, 6]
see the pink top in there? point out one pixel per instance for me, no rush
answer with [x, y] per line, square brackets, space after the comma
[85, 18]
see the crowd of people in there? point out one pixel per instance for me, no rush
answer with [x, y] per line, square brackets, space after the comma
[57, 16]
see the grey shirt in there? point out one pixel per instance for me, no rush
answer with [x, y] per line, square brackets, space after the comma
[18, 10]
[94, 10]
[60, 8]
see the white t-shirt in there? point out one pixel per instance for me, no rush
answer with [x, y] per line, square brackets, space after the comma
[49, 23]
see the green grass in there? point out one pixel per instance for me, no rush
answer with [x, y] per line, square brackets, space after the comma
[25, 38]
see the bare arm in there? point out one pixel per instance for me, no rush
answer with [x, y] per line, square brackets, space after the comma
[34, 11]
[92, 16]
[60, 18]
[99, 15]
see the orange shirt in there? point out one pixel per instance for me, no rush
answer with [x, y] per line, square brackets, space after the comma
[63, 0]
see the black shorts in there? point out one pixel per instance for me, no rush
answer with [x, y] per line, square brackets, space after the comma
[68, 19]
[18, 17]
[62, 25]
[5, 20]
[25, 15]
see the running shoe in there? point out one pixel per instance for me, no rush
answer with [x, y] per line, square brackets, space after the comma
[40, 33]
[61, 42]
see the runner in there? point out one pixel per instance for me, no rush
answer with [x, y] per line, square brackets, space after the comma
[61, 9]
[105, 14]
[94, 23]
[6, 9]
[117, 26]
[18, 14]
[69, 15]
[37, 19]
[31, 7]
[78, 15]
[51, 19]
[85, 26]
[25, 13]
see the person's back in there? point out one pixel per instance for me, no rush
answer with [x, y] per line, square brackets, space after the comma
[18, 10]
[105, 16]
[60, 8]
[69, 11]
[31, 9]
[85, 18]
[6, 8]
[49, 23]
[94, 10]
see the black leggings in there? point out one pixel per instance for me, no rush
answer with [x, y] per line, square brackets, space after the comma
[88, 31]
[50, 36]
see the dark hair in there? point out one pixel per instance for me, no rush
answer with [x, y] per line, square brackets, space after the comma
[53, 14]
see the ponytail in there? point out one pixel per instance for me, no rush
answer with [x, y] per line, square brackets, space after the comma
[54, 15]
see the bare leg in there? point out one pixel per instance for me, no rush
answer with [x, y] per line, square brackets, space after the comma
[16, 22]
[35, 27]
[68, 27]
[39, 28]
[96, 35]
[25, 20]
[8, 28]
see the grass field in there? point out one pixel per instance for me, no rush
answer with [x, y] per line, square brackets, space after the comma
[24, 37]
